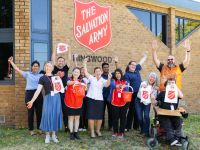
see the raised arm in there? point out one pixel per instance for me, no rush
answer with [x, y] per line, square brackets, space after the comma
[180, 93]
[85, 68]
[15, 66]
[39, 89]
[116, 59]
[154, 53]
[53, 57]
[108, 81]
[69, 58]
[75, 59]
[187, 47]
[143, 59]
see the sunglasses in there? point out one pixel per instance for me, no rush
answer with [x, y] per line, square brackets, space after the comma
[170, 59]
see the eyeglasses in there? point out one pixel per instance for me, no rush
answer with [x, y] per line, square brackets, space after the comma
[170, 59]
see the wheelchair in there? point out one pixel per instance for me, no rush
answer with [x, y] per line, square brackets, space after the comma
[158, 134]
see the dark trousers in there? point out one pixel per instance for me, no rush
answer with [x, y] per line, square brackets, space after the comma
[37, 108]
[83, 120]
[64, 107]
[109, 110]
[132, 117]
[142, 112]
[172, 126]
[119, 113]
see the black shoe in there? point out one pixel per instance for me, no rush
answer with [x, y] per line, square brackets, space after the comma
[76, 136]
[66, 129]
[72, 136]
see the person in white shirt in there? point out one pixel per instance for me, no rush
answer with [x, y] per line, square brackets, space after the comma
[95, 103]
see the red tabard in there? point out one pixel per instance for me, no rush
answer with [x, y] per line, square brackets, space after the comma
[117, 99]
[71, 99]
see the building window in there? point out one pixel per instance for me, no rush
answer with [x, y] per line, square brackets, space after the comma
[6, 50]
[40, 31]
[40, 51]
[6, 17]
[155, 22]
[184, 27]
[6, 39]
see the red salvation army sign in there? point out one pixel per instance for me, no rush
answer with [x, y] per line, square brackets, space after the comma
[92, 27]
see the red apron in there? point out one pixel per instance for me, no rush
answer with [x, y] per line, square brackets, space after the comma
[72, 100]
[117, 99]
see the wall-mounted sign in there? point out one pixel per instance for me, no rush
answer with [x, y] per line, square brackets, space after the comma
[93, 59]
[92, 27]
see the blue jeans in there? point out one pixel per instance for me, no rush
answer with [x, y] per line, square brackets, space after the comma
[142, 112]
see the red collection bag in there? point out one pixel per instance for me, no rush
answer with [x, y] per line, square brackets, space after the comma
[74, 95]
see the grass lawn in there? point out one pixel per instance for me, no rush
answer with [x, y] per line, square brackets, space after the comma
[19, 139]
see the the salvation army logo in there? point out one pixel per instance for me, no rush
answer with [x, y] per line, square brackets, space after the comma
[171, 94]
[62, 47]
[58, 86]
[61, 74]
[145, 94]
[79, 90]
[92, 27]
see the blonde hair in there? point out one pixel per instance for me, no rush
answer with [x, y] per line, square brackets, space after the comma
[48, 62]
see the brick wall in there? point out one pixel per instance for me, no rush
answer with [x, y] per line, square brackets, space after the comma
[7, 105]
[130, 38]
[191, 78]
[22, 57]
[127, 33]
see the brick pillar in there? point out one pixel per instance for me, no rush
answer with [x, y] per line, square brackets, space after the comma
[22, 57]
[171, 30]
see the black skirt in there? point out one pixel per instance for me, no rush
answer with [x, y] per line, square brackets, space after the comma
[73, 111]
[95, 109]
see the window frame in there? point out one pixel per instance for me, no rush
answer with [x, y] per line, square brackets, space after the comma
[12, 33]
[179, 33]
[156, 27]
[41, 36]
[39, 31]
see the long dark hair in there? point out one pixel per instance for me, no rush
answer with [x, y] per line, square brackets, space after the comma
[120, 71]
[127, 67]
[73, 71]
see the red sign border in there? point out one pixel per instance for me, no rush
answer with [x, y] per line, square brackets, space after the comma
[75, 20]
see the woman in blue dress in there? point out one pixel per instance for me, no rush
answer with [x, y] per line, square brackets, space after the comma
[52, 112]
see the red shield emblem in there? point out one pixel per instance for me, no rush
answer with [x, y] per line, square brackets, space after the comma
[92, 27]
[171, 94]
[79, 90]
[61, 74]
[145, 94]
[61, 48]
[58, 86]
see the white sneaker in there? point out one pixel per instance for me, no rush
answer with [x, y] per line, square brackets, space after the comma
[174, 142]
[80, 129]
[47, 139]
[54, 139]
[84, 130]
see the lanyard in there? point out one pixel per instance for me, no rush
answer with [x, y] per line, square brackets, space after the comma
[50, 82]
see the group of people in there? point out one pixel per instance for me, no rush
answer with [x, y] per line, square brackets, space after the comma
[101, 90]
